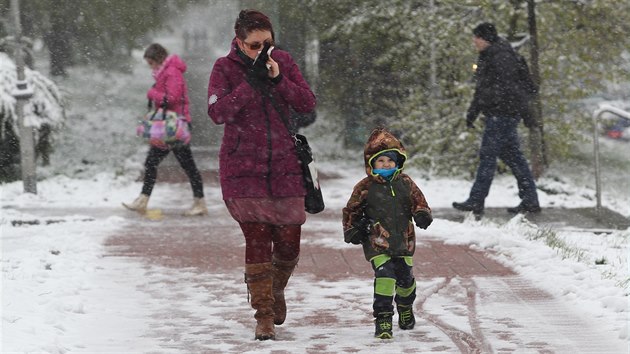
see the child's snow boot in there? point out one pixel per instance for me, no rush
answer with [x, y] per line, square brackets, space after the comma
[406, 319]
[139, 204]
[383, 323]
[259, 284]
[281, 272]
[198, 208]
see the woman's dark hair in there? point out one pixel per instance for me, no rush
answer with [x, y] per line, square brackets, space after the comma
[251, 20]
[156, 53]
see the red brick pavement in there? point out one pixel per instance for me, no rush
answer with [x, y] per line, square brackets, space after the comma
[205, 244]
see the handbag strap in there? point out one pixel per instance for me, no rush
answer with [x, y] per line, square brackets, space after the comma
[164, 104]
[265, 93]
[290, 128]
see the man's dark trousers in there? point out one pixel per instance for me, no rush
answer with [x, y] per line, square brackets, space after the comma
[500, 139]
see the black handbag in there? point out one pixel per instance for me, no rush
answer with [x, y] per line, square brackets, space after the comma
[314, 200]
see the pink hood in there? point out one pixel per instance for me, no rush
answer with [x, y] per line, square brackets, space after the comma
[171, 60]
[170, 83]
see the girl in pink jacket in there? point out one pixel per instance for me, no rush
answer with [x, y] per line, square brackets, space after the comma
[169, 89]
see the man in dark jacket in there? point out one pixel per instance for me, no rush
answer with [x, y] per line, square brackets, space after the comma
[503, 97]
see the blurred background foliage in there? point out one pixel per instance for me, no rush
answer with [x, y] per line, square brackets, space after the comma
[404, 64]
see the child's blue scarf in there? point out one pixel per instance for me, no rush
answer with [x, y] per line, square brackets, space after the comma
[385, 173]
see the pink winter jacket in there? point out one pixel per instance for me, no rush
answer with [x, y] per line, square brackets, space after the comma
[257, 157]
[169, 81]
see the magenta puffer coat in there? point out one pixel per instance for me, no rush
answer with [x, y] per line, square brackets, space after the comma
[257, 157]
[170, 82]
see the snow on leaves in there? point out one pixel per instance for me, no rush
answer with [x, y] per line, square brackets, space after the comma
[46, 106]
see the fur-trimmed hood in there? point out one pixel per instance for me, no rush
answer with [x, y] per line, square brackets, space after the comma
[380, 141]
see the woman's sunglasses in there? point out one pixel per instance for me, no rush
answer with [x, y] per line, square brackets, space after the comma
[258, 45]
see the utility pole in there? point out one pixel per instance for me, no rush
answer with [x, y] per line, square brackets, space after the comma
[435, 89]
[536, 133]
[21, 94]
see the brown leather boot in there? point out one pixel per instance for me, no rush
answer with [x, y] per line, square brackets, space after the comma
[281, 272]
[259, 284]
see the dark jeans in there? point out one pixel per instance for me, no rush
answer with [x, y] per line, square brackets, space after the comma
[185, 159]
[500, 139]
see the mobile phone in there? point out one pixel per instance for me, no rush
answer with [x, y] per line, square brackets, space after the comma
[269, 55]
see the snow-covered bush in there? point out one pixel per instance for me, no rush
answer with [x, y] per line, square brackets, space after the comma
[44, 111]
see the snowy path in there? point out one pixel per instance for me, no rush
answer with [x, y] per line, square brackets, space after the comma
[466, 302]
[103, 280]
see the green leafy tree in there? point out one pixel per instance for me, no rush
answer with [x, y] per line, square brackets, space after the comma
[355, 79]
[103, 32]
[407, 64]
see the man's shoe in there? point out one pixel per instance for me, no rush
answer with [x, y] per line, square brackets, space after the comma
[476, 208]
[524, 208]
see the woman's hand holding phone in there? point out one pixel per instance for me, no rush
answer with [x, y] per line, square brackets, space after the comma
[264, 56]
[263, 68]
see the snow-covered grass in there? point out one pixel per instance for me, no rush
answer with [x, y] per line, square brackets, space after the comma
[99, 134]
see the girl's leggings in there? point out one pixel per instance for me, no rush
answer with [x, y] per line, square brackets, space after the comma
[185, 159]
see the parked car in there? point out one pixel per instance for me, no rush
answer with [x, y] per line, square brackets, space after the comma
[620, 129]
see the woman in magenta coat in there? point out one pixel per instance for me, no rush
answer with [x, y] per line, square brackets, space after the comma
[260, 174]
[169, 89]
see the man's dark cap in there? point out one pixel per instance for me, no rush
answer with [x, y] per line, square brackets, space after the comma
[487, 32]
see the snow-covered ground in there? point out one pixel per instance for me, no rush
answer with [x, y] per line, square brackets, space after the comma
[62, 293]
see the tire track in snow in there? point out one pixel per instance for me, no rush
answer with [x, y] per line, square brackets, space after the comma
[465, 342]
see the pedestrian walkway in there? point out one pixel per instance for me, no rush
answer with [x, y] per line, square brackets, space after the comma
[467, 282]
[467, 301]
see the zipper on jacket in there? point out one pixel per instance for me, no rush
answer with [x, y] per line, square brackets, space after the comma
[268, 125]
[394, 206]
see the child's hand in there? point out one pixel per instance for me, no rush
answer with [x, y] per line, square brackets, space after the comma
[423, 219]
[364, 225]
[363, 228]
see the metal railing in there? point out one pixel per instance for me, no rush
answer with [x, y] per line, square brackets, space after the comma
[596, 115]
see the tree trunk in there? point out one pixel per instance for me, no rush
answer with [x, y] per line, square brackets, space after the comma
[58, 40]
[536, 133]
[292, 30]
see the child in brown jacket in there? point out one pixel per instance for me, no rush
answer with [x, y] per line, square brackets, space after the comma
[379, 216]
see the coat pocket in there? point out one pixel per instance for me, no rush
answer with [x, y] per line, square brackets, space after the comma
[246, 159]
